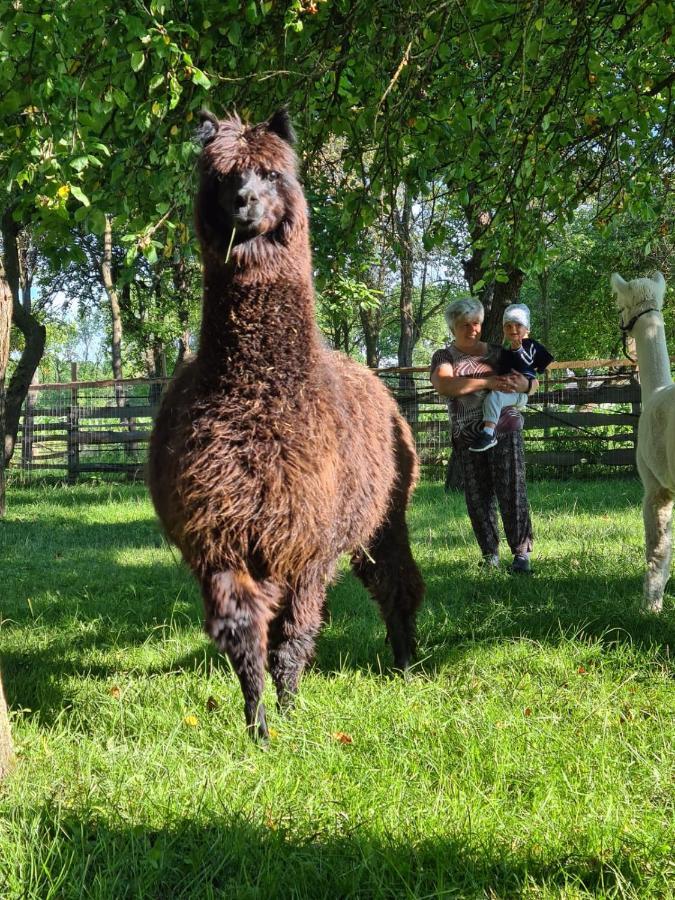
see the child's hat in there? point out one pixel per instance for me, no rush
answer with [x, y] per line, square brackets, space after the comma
[517, 312]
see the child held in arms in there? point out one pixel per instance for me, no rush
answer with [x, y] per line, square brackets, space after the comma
[523, 355]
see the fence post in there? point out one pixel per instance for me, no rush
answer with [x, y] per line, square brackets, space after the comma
[73, 428]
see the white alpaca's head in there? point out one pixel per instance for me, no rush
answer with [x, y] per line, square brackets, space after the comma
[638, 295]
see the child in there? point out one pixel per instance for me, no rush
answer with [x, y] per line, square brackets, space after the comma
[523, 355]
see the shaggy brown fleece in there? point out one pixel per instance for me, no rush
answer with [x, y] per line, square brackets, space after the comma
[272, 455]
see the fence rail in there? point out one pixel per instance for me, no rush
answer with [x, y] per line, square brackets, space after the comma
[584, 418]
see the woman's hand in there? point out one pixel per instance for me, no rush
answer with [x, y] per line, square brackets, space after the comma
[515, 383]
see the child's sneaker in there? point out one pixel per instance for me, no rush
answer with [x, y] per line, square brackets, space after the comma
[483, 442]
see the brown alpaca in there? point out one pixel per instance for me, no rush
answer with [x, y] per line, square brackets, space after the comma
[272, 455]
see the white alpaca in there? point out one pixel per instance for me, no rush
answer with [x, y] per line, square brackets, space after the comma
[640, 302]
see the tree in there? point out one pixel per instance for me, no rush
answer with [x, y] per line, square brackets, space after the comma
[5, 324]
[522, 111]
[580, 318]
[6, 749]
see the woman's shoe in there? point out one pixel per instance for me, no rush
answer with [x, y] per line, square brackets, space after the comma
[489, 561]
[521, 565]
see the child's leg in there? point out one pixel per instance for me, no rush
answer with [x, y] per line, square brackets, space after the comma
[492, 408]
[493, 404]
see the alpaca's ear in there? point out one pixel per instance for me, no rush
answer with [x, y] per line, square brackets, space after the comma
[280, 123]
[618, 284]
[659, 280]
[207, 128]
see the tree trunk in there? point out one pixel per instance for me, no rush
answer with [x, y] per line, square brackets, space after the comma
[408, 336]
[371, 317]
[503, 293]
[6, 748]
[494, 295]
[6, 303]
[29, 424]
[371, 334]
[5, 326]
[181, 286]
[34, 334]
[113, 298]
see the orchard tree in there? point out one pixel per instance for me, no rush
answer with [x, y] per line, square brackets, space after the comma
[523, 111]
[5, 324]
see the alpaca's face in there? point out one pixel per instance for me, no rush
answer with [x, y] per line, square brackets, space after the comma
[249, 190]
[251, 200]
[637, 295]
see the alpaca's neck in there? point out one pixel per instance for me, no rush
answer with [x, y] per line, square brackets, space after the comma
[258, 329]
[652, 353]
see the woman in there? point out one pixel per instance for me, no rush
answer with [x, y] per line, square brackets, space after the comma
[463, 372]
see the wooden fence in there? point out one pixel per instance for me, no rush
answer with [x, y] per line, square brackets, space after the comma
[583, 419]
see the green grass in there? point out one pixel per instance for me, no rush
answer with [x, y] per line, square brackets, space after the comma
[531, 755]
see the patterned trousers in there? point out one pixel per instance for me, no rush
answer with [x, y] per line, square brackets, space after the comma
[497, 476]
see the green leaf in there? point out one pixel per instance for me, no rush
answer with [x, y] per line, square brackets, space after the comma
[137, 60]
[150, 254]
[120, 98]
[201, 79]
[97, 221]
[79, 194]
[79, 163]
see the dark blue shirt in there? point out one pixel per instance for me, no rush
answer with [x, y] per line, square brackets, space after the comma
[531, 357]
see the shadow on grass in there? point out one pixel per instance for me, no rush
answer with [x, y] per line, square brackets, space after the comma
[237, 858]
[74, 567]
[462, 607]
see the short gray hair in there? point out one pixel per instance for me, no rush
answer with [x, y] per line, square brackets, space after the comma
[465, 306]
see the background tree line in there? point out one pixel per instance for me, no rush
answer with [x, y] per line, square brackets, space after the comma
[510, 149]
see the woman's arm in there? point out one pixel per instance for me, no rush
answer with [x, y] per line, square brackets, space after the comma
[520, 384]
[448, 384]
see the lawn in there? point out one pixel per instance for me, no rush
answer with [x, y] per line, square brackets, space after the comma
[530, 755]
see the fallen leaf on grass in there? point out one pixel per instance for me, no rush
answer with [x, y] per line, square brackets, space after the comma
[527, 711]
[211, 704]
[343, 738]
[115, 692]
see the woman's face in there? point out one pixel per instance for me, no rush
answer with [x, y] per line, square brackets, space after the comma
[467, 329]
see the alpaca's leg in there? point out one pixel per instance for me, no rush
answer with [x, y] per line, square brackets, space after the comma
[657, 512]
[238, 610]
[387, 568]
[389, 572]
[293, 633]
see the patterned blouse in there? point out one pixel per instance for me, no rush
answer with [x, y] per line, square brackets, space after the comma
[466, 412]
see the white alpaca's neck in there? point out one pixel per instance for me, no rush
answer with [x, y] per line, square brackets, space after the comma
[652, 353]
